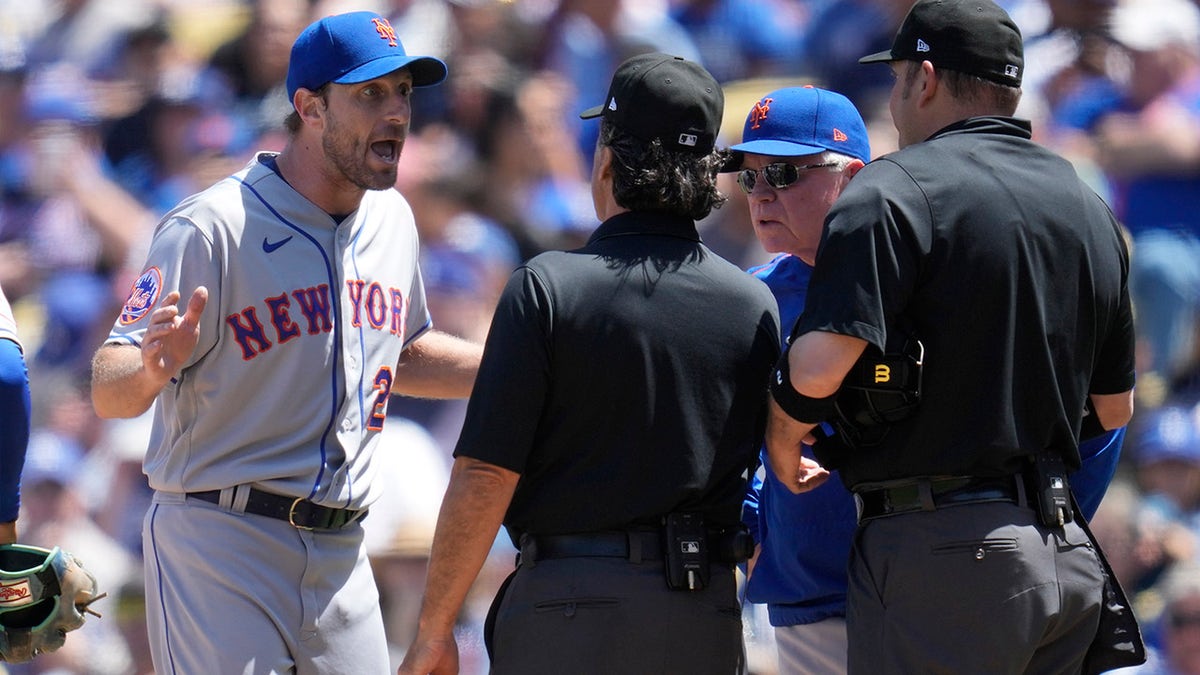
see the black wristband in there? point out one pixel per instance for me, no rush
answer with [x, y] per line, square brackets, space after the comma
[799, 407]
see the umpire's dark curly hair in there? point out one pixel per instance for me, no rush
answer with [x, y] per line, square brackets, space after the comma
[647, 177]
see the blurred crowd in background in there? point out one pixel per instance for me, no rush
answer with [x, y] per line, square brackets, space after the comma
[113, 110]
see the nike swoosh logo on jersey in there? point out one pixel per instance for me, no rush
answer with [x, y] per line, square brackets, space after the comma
[271, 247]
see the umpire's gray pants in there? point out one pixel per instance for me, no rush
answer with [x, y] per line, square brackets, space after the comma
[608, 615]
[977, 588]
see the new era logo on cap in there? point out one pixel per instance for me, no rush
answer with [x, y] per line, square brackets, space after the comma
[922, 46]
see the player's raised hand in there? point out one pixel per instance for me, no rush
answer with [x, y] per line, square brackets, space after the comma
[171, 337]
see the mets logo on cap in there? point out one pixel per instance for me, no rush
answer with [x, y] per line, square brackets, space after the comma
[142, 296]
[385, 30]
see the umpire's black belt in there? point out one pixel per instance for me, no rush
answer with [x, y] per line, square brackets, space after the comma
[300, 513]
[928, 494]
[633, 545]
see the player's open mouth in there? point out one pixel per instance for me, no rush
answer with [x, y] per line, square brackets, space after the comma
[388, 151]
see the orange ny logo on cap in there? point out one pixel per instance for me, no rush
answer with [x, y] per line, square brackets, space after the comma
[384, 28]
[759, 113]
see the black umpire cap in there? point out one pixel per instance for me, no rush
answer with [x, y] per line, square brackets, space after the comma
[976, 37]
[659, 96]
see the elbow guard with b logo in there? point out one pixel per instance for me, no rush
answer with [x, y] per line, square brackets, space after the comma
[880, 390]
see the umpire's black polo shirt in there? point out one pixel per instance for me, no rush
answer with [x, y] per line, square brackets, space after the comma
[624, 380]
[1014, 274]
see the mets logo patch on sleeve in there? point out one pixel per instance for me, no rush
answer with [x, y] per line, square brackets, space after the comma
[142, 296]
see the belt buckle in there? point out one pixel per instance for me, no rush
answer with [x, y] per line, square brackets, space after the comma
[292, 516]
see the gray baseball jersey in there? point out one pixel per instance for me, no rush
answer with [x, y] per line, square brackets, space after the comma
[8, 325]
[306, 319]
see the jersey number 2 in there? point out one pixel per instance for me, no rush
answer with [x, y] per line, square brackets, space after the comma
[382, 385]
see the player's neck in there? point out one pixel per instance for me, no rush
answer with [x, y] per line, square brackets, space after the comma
[304, 174]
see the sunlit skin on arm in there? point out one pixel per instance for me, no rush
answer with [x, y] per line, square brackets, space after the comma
[472, 511]
[438, 365]
[817, 362]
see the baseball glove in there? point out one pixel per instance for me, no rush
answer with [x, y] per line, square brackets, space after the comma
[44, 594]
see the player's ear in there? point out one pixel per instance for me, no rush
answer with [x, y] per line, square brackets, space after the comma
[309, 104]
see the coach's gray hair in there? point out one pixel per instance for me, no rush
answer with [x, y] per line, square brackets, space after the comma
[837, 159]
[647, 177]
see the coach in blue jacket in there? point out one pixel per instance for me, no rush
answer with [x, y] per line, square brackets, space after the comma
[800, 147]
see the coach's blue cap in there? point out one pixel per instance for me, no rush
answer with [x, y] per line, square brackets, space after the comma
[804, 121]
[354, 47]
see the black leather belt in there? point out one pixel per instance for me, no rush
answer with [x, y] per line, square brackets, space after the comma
[300, 513]
[633, 545]
[928, 494]
[724, 546]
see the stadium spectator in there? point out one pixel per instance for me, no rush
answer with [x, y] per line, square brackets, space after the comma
[585, 40]
[67, 226]
[81, 33]
[845, 30]
[1167, 518]
[1148, 144]
[1174, 638]
[252, 66]
[743, 39]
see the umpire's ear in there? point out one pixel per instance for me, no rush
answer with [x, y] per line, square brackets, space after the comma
[602, 164]
[603, 199]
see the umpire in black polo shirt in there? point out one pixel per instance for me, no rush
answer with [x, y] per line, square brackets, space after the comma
[989, 250]
[622, 386]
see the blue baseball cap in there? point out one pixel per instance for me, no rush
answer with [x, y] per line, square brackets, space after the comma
[1169, 432]
[804, 121]
[51, 458]
[351, 48]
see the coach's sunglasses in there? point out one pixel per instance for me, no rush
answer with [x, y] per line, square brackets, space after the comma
[778, 174]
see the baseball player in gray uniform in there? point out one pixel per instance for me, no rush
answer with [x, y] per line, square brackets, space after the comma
[306, 312]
